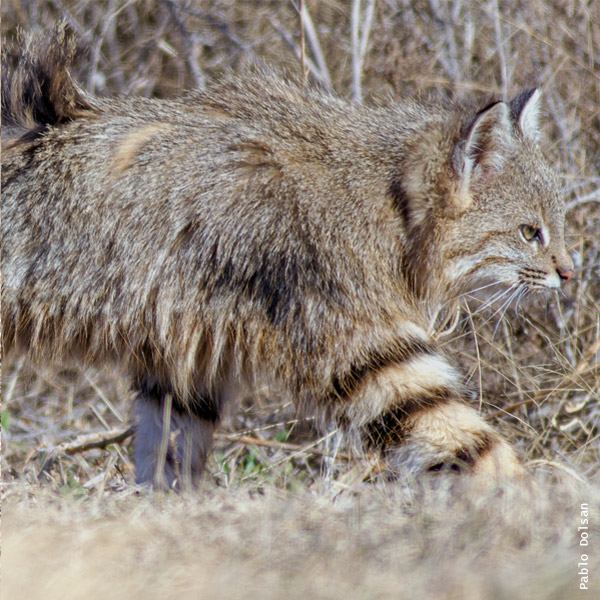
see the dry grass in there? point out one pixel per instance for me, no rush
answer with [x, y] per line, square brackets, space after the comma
[379, 543]
[281, 518]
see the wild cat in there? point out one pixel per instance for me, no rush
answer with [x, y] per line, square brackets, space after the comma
[265, 232]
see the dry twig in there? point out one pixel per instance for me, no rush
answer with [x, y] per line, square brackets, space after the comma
[93, 441]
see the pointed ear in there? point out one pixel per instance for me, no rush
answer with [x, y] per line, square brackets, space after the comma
[486, 144]
[525, 111]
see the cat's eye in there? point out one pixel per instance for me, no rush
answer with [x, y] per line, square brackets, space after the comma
[530, 233]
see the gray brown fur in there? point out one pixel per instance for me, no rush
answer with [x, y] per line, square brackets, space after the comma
[262, 232]
[40, 91]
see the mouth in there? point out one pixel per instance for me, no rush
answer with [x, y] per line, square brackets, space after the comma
[539, 280]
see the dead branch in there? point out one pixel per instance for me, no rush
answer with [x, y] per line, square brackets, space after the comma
[92, 441]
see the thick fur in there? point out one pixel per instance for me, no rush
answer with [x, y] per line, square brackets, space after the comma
[262, 232]
[39, 91]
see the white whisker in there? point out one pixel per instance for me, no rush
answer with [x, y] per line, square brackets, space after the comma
[505, 307]
[470, 293]
[493, 299]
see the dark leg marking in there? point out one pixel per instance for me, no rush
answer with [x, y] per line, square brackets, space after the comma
[392, 426]
[191, 426]
[466, 457]
[201, 406]
[481, 445]
[343, 386]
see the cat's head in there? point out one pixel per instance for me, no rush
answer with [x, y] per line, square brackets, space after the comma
[500, 211]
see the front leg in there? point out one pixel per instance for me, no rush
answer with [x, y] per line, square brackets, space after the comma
[412, 410]
[435, 433]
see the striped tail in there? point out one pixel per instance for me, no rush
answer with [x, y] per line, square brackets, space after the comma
[37, 88]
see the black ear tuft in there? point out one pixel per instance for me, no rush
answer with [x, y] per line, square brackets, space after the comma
[525, 112]
[486, 143]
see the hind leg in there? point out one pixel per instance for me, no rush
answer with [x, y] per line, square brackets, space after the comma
[171, 454]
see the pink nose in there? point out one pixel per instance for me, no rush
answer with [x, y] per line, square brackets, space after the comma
[566, 274]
